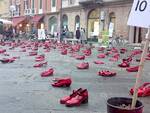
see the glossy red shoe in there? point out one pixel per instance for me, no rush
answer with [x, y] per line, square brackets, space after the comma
[40, 56]
[124, 65]
[123, 50]
[101, 56]
[39, 59]
[62, 82]
[101, 49]
[147, 58]
[47, 73]
[129, 59]
[40, 64]
[133, 69]
[64, 52]
[66, 98]
[84, 65]
[143, 90]
[106, 73]
[80, 98]
[80, 57]
[98, 62]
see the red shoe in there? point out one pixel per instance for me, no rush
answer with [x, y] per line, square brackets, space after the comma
[80, 57]
[106, 73]
[98, 62]
[147, 58]
[124, 65]
[87, 52]
[62, 82]
[84, 65]
[40, 64]
[101, 49]
[143, 90]
[133, 69]
[47, 73]
[23, 50]
[40, 56]
[66, 98]
[123, 50]
[101, 56]
[32, 53]
[80, 98]
[129, 59]
[113, 59]
[39, 59]
[64, 52]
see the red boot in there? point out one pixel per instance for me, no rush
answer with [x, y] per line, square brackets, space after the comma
[81, 97]
[47, 73]
[84, 65]
[62, 82]
[66, 98]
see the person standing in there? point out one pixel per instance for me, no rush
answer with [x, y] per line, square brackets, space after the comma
[83, 36]
[78, 34]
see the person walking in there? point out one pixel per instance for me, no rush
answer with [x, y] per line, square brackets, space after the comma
[83, 36]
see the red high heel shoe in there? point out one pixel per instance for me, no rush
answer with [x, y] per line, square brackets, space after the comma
[80, 57]
[62, 82]
[66, 98]
[98, 62]
[101, 56]
[40, 64]
[64, 51]
[80, 98]
[40, 56]
[47, 73]
[143, 90]
[84, 65]
[106, 73]
[133, 69]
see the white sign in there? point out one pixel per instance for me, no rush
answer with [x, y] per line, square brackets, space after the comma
[41, 34]
[111, 29]
[140, 14]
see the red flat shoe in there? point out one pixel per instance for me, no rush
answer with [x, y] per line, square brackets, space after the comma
[47, 73]
[143, 90]
[124, 65]
[80, 98]
[147, 58]
[62, 82]
[133, 69]
[66, 98]
[106, 73]
[98, 62]
[40, 64]
[84, 65]
[64, 52]
[123, 50]
[101, 56]
[80, 57]
[40, 56]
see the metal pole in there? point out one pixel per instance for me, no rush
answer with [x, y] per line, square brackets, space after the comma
[60, 31]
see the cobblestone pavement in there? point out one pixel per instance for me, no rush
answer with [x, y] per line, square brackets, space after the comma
[22, 90]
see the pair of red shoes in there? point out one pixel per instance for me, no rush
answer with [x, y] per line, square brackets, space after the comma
[80, 57]
[133, 69]
[7, 60]
[40, 64]
[61, 82]
[78, 97]
[106, 73]
[143, 90]
[83, 65]
[47, 73]
[98, 62]
[101, 55]
[124, 64]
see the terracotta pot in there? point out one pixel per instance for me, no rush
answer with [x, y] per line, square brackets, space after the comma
[113, 105]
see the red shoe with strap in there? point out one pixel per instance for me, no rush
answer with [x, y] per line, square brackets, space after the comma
[66, 98]
[47, 73]
[80, 98]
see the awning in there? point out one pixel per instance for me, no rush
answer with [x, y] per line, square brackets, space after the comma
[18, 20]
[37, 18]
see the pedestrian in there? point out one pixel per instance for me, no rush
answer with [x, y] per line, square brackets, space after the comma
[83, 36]
[78, 34]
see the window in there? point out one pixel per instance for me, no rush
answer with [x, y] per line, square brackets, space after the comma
[40, 4]
[65, 21]
[112, 19]
[26, 4]
[32, 4]
[53, 3]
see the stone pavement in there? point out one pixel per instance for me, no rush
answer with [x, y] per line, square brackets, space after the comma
[22, 90]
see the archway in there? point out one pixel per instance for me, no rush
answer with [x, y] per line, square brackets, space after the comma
[53, 25]
[65, 21]
[93, 23]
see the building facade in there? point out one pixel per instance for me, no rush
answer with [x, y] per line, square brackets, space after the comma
[4, 9]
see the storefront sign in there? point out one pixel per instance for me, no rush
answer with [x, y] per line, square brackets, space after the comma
[140, 14]
[41, 34]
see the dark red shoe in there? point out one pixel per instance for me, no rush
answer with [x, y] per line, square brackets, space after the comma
[47, 73]
[101, 56]
[101, 49]
[84, 65]
[124, 65]
[133, 69]
[32, 53]
[80, 98]
[80, 57]
[40, 64]
[143, 90]
[98, 62]
[66, 98]
[129, 59]
[64, 51]
[113, 59]
[123, 50]
[62, 82]
[40, 56]
[106, 73]
[87, 52]
[39, 59]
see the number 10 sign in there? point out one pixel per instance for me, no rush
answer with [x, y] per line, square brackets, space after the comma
[140, 14]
